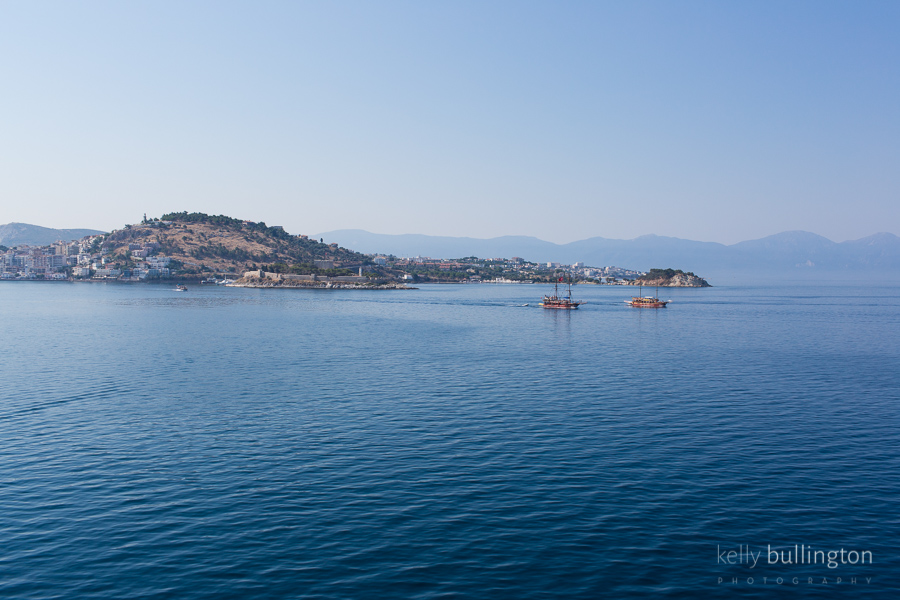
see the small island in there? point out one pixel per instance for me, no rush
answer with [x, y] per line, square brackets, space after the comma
[670, 278]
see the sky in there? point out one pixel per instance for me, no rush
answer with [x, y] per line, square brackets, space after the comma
[712, 121]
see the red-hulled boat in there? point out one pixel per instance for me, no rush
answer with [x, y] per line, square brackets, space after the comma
[563, 302]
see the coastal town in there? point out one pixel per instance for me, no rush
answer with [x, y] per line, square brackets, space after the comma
[82, 259]
[86, 259]
[501, 270]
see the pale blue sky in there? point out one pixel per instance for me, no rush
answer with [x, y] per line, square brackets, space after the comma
[715, 121]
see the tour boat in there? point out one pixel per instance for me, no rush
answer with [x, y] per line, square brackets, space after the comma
[563, 302]
[647, 302]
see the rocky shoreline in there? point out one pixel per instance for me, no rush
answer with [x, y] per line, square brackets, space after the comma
[677, 280]
[670, 278]
[318, 284]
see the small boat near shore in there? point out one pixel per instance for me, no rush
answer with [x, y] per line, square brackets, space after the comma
[642, 301]
[181, 288]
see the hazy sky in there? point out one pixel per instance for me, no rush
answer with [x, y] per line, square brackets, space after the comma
[715, 121]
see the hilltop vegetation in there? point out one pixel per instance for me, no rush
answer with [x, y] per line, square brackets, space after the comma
[199, 243]
[664, 274]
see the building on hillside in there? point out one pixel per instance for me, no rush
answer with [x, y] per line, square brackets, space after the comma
[157, 262]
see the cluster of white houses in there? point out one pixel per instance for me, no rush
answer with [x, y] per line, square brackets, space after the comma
[514, 264]
[82, 259]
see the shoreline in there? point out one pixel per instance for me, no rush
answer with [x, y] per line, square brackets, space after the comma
[324, 286]
[334, 285]
[165, 282]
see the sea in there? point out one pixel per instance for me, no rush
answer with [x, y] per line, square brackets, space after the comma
[449, 442]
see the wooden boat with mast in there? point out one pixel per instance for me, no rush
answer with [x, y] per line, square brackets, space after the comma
[646, 302]
[561, 302]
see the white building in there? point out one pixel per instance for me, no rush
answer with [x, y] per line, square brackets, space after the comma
[157, 262]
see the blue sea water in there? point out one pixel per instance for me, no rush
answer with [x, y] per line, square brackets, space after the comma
[447, 442]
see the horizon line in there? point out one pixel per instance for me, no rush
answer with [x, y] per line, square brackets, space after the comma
[646, 235]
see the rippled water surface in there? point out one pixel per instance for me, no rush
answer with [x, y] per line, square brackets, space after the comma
[448, 442]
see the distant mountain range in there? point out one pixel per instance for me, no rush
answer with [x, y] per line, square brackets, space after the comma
[22, 234]
[792, 252]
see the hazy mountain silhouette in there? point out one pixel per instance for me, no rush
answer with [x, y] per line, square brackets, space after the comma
[21, 234]
[787, 252]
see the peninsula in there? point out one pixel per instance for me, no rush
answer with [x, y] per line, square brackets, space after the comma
[184, 247]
